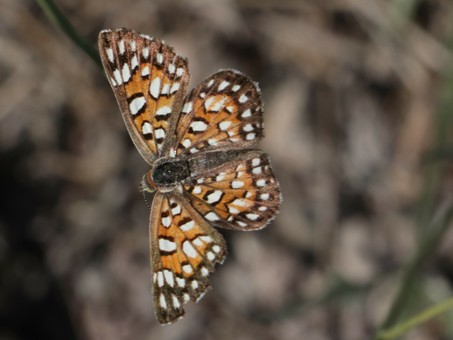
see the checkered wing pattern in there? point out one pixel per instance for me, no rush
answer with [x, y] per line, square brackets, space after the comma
[224, 111]
[185, 249]
[149, 81]
[240, 194]
[205, 169]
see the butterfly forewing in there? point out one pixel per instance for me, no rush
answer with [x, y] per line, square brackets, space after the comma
[224, 111]
[185, 249]
[240, 194]
[149, 80]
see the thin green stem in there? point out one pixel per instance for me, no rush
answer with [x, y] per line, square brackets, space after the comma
[428, 246]
[431, 234]
[54, 14]
[424, 316]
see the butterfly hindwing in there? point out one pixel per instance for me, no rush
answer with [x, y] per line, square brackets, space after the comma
[149, 81]
[241, 193]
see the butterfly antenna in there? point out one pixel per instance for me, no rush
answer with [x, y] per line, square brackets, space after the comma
[142, 189]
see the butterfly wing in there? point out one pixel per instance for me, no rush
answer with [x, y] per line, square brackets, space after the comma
[149, 81]
[240, 192]
[184, 250]
[223, 111]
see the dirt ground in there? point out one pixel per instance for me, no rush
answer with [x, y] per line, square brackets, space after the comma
[355, 125]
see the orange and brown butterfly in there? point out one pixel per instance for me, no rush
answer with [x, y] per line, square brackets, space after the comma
[205, 167]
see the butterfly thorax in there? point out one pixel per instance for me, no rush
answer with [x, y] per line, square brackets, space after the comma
[166, 174]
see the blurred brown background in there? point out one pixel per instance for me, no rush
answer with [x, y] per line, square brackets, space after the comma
[353, 100]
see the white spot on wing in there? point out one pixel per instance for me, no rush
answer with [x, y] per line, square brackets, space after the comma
[197, 242]
[165, 89]
[241, 202]
[243, 98]
[261, 182]
[187, 226]
[224, 125]
[169, 277]
[237, 184]
[223, 85]
[250, 136]
[264, 197]
[181, 282]
[176, 302]
[214, 104]
[212, 216]
[187, 107]
[206, 238]
[186, 143]
[188, 249]
[121, 47]
[162, 302]
[212, 141]
[204, 271]
[109, 53]
[145, 71]
[252, 216]
[159, 58]
[160, 133]
[174, 88]
[117, 75]
[167, 245]
[160, 279]
[233, 210]
[257, 170]
[210, 255]
[166, 221]
[134, 62]
[163, 111]
[137, 104]
[247, 113]
[176, 210]
[147, 128]
[198, 126]
[241, 224]
[214, 197]
[145, 52]
[154, 88]
[126, 73]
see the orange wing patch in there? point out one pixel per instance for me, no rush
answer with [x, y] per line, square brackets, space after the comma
[225, 110]
[185, 249]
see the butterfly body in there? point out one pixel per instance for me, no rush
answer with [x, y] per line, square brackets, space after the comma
[205, 167]
[166, 174]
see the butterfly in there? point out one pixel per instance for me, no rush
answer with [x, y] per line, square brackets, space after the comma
[205, 167]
